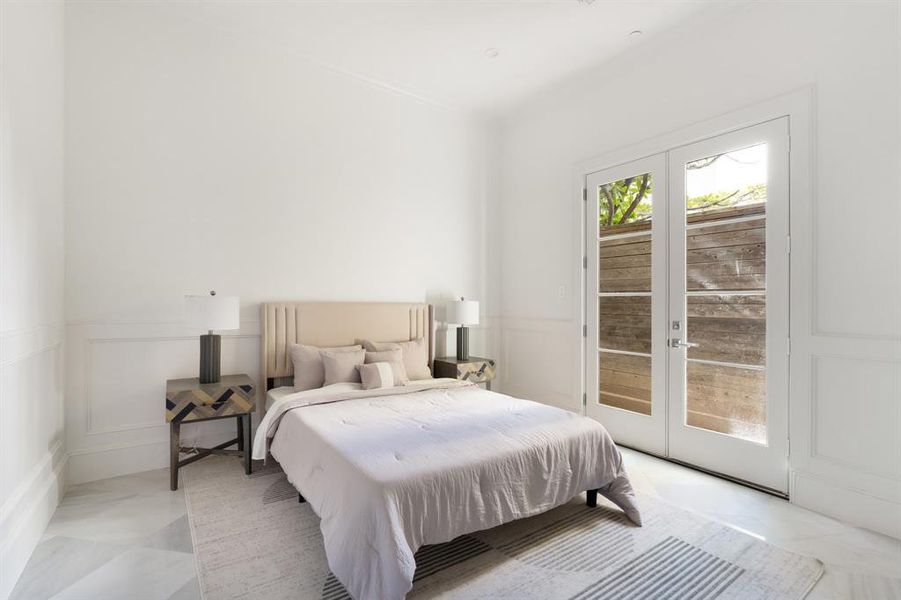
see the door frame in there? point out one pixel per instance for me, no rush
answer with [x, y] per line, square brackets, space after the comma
[635, 429]
[798, 107]
[697, 445]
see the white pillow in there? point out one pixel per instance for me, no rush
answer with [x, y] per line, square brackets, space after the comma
[340, 366]
[309, 372]
[376, 375]
[395, 358]
[416, 355]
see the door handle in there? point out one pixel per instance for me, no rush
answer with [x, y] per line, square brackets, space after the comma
[677, 343]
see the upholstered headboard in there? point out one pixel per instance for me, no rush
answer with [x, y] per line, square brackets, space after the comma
[335, 324]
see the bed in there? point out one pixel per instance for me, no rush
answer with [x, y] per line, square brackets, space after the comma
[390, 470]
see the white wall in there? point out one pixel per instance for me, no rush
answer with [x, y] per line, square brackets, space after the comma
[32, 440]
[846, 359]
[199, 158]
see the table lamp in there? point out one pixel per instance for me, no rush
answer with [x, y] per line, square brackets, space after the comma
[209, 313]
[463, 312]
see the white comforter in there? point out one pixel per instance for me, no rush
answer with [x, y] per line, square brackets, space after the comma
[388, 471]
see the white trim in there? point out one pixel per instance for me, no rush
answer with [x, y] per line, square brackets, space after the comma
[627, 352]
[795, 104]
[623, 294]
[628, 427]
[852, 505]
[725, 293]
[720, 363]
[725, 222]
[621, 236]
[25, 514]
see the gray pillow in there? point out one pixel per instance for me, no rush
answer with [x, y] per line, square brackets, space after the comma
[395, 358]
[416, 355]
[340, 366]
[376, 375]
[309, 373]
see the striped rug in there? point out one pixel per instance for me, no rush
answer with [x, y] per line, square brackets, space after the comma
[253, 540]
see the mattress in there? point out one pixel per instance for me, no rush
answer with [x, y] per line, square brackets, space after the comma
[389, 471]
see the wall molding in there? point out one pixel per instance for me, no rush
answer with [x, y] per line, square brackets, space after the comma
[852, 505]
[88, 350]
[25, 514]
[17, 345]
[98, 450]
[813, 450]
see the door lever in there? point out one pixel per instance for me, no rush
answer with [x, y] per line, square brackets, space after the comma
[677, 343]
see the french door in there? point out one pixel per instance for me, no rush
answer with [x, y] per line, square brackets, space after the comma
[687, 307]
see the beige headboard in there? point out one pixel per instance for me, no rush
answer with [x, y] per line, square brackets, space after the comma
[335, 324]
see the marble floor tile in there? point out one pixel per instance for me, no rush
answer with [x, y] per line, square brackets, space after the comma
[839, 584]
[775, 520]
[137, 574]
[128, 537]
[174, 536]
[60, 561]
[189, 591]
[116, 517]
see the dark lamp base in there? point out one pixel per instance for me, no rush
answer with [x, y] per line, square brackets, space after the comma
[462, 343]
[210, 346]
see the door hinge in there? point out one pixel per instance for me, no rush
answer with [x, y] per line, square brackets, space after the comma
[584, 399]
[584, 194]
[788, 346]
[584, 331]
[584, 262]
[788, 244]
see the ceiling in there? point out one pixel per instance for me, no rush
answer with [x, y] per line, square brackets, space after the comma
[436, 50]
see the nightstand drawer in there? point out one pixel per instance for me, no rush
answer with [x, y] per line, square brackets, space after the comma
[475, 370]
[189, 400]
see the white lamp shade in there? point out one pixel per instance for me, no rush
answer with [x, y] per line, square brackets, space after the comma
[463, 312]
[213, 312]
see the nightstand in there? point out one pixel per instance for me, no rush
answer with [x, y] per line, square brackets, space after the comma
[189, 401]
[474, 369]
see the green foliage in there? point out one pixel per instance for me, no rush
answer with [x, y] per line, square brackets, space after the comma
[753, 194]
[625, 201]
[629, 200]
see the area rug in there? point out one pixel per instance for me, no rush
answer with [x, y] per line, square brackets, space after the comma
[252, 539]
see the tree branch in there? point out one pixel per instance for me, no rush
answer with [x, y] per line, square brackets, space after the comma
[637, 199]
[610, 206]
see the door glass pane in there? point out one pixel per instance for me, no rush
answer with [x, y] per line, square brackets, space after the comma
[625, 263]
[725, 283]
[625, 205]
[728, 328]
[727, 185]
[624, 323]
[729, 400]
[730, 256]
[625, 381]
[624, 292]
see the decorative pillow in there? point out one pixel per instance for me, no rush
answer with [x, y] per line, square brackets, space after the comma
[309, 373]
[416, 355]
[393, 357]
[340, 366]
[377, 375]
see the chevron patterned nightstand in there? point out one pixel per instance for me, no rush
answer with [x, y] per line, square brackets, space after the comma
[189, 401]
[474, 369]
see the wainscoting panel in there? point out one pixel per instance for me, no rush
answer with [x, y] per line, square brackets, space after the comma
[537, 361]
[854, 394]
[33, 462]
[117, 376]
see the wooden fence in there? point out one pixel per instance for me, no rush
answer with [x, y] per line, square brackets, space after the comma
[729, 326]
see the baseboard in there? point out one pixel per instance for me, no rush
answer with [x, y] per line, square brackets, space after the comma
[92, 464]
[851, 506]
[25, 515]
